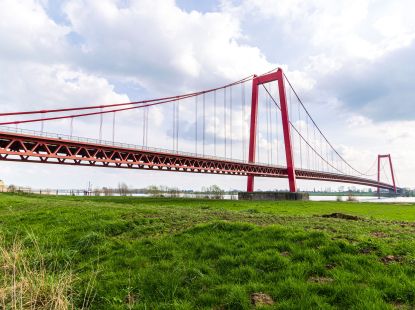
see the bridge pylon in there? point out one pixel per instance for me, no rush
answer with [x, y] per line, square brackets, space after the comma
[387, 156]
[277, 76]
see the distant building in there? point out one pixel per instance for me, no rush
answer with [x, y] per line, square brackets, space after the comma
[2, 186]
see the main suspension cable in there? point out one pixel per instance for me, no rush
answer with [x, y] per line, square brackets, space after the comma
[315, 124]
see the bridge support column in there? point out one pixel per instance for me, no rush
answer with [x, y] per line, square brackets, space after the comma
[252, 131]
[263, 79]
[287, 134]
[388, 156]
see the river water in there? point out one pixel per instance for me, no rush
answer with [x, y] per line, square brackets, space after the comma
[367, 199]
[235, 197]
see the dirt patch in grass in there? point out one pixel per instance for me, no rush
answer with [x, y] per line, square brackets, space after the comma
[261, 299]
[379, 234]
[391, 259]
[398, 305]
[342, 216]
[330, 266]
[321, 280]
[366, 250]
[404, 224]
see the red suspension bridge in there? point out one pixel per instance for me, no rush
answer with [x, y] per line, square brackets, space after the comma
[212, 131]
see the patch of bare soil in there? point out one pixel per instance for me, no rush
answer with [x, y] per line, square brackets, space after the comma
[379, 234]
[321, 280]
[330, 266]
[366, 250]
[391, 259]
[404, 224]
[398, 305]
[261, 299]
[341, 216]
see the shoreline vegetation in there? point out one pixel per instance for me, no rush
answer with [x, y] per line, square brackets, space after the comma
[211, 192]
[69, 252]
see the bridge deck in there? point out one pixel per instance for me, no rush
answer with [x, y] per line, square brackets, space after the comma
[62, 150]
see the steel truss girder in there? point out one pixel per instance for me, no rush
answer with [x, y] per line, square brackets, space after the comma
[34, 149]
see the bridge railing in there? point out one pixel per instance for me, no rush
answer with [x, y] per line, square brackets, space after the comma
[119, 144]
[69, 138]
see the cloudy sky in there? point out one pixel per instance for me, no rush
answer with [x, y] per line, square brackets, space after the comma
[353, 63]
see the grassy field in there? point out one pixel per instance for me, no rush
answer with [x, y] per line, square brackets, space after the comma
[159, 253]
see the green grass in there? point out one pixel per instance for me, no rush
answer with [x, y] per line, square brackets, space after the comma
[145, 253]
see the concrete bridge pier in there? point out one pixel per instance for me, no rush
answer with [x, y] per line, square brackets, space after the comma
[272, 196]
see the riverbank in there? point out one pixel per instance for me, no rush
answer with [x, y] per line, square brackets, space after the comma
[130, 252]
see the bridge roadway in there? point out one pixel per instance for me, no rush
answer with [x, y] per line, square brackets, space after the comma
[46, 148]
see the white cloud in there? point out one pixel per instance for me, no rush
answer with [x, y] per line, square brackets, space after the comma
[160, 44]
[31, 85]
[27, 33]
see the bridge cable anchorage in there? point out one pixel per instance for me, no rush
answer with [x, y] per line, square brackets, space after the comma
[318, 128]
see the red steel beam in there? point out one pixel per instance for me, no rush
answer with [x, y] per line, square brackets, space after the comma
[252, 131]
[263, 79]
[388, 156]
[286, 130]
[34, 149]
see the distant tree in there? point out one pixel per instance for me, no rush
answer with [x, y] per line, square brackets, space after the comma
[122, 189]
[153, 190]
[215, 192]
[173, 191]
[107, 191]
[12, 188]
[97, 192]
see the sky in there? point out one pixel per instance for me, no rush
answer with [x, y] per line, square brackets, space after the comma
[352, 62]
